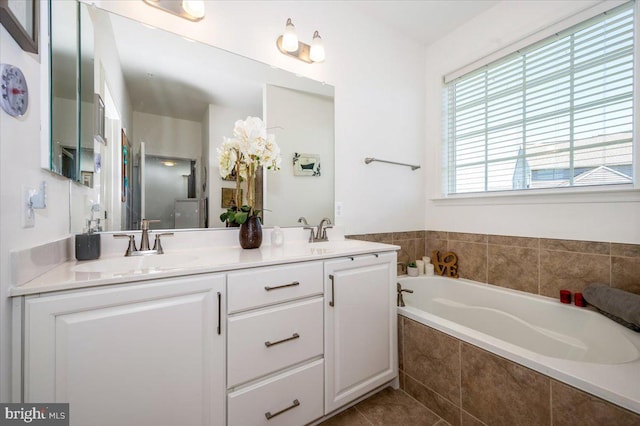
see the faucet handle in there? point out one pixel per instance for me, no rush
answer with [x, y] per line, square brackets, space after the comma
[157, 245]
[132, 243]
[311, 235]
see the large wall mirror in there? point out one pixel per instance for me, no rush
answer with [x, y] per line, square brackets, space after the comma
[153, 108]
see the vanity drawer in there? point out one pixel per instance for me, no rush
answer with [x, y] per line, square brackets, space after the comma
[293, 398]
[264, 286]
[261, 342]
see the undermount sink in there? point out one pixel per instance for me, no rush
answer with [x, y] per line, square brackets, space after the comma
[136, 263]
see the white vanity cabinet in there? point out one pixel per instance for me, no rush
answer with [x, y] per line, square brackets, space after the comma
[360, 326]
[271, 344]
[137, 354]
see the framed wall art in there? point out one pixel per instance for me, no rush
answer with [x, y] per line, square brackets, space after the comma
[306, 164]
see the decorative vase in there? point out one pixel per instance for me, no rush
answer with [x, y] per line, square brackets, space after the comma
[251, 233]
[412, 271]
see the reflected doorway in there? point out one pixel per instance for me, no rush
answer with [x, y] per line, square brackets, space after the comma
[169, 192]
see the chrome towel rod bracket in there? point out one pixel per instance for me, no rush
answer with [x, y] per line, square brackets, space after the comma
[371, 159]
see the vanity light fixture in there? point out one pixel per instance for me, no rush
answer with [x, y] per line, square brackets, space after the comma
[192, 10]
[289, 45]
[317, 48]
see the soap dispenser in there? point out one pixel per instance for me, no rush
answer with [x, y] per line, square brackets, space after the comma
[277, 237]
[88, 243]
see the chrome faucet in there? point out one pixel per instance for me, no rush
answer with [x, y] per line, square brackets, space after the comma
[132, 250]
[400, 301]
[302, 220]
[321, 232]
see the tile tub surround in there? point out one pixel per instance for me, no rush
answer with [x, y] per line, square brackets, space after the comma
[464, 384]
[536, 265]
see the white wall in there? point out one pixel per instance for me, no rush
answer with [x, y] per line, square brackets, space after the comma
[20, 165]
[379, 81]
[302, 123]
[167, 136]
[600, 217]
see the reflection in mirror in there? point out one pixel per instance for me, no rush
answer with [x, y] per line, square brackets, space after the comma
[64, 90]
[87, 107]
[176, 99]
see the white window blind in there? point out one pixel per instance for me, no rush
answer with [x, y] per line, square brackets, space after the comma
[556, 114]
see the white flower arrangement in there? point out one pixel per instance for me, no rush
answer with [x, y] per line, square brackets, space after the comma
[249, 148]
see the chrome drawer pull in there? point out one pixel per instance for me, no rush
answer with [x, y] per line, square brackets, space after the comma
[269, 416]
[293, 284]
[269, 344]
[332, 302]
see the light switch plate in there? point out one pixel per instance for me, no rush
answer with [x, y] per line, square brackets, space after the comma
[338, 211]
[27, 212]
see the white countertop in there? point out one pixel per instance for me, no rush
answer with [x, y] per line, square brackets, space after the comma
[117, 269]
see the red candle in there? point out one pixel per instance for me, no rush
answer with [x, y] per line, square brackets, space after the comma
[565, 296]
[579, 300]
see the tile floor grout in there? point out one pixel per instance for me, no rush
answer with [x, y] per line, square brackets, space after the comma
[363, 415]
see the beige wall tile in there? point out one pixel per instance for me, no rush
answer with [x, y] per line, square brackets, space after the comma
[514, 267]
[571, 271]
[383, 237]
[505, 240]
[500, 392]
[592, 247]
[437, 235]
[359, 237]
[571, 406]
[628, 250]
[470, 238]
[625, 274]
[400, 342]
[432, 358]
[407, 252]
[404, 235]
[438, 245]
[420, 248]
[472, 260]
[433, 401]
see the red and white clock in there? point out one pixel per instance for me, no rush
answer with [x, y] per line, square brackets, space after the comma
[14, 93]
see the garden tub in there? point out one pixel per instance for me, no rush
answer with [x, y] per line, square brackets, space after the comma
[574, 345]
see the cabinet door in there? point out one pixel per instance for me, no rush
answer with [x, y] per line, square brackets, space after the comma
[145, 354]
[360, 327]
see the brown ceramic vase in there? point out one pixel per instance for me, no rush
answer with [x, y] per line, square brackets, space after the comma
[251, 233]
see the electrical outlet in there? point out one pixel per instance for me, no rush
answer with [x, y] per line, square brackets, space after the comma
[338, 209]
[28, 214]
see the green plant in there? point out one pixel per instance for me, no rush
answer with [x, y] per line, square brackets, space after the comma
[233, 215]
[412, 265]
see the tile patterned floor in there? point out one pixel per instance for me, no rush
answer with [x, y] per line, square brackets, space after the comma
[387, 408]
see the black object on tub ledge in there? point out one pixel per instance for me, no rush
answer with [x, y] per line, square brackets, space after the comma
[619, 305]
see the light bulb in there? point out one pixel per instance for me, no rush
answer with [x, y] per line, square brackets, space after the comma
[290, 38]
[316, 54]
[195, 8]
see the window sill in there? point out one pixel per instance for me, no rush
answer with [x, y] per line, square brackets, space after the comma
[599, 194]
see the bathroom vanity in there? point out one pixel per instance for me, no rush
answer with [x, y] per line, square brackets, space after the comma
[280, 337]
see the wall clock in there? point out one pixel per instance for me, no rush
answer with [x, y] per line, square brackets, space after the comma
[14, 94]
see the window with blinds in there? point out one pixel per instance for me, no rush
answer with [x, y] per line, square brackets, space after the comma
[556, 114]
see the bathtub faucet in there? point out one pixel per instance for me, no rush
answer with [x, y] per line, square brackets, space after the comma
[400, 301]
[445, 265]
